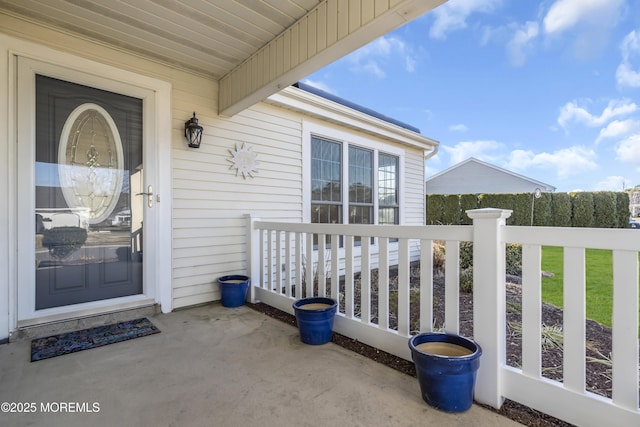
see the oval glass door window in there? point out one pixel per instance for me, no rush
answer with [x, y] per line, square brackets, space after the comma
[91, 163]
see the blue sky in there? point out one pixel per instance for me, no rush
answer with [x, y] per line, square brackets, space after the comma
[548, 89]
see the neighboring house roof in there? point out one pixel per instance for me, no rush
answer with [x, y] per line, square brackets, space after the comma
[353, 105]
[474, 176]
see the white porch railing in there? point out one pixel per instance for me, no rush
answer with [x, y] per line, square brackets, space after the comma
[285, 265]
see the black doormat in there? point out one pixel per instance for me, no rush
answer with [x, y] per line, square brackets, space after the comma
[70, 342]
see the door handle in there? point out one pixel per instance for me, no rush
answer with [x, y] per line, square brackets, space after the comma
[149, 195]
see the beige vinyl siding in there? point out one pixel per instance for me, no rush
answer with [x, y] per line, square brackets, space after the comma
[210, 201]
[414, 187]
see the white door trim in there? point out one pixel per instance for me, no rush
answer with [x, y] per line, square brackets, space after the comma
[156, 96]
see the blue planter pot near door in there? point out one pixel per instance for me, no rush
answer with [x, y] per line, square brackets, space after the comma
[315, 319]
[233, 290]
[446, 365]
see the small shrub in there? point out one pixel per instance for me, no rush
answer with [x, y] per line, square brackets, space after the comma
[466, 255]
[466, 280]
[438, 255]
[514, 259]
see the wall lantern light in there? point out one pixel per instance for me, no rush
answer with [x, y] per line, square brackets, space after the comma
[193, 132]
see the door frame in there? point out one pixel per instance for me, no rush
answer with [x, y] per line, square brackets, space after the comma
[25, 60]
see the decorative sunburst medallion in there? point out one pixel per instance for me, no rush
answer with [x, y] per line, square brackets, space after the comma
[244, 161]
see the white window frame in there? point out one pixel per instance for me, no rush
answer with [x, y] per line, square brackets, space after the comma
[347, 139]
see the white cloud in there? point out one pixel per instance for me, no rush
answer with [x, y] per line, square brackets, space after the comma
[612, 183]
[626, 74]
[587, 24]
[618, 129]
[573, 112]
[628, 151]
[453, 15]
[566, 14]
[520, 43]
[458, 128]
[566, 162]
[479, 149]
[373, 57]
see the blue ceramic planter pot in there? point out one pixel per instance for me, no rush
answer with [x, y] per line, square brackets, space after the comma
[315, 319]
[233, 290]
[446, 366]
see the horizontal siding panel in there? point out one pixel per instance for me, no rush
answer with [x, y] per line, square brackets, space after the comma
[273, 213]
[204, 289]
[195, 299]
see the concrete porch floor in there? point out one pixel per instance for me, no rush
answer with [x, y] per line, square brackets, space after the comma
[216, 366]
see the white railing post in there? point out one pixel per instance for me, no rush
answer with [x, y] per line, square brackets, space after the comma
[489, 303]
[253, 257]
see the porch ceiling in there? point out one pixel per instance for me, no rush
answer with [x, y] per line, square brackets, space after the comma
[253, 47]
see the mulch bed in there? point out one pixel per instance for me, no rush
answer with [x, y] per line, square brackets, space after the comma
[598, 343]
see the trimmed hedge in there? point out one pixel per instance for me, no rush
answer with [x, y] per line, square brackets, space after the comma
[561, 210]
[605, 209]
[604, 204]
[467, 202]
[451, 214]
[582, 214]
[622, 206]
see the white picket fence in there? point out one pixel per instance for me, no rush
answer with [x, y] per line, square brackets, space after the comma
[284, 259]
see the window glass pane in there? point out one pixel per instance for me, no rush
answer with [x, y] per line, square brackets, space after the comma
[360, 214]
[388, 216]
[360, 175]
[387, 180]
[326, 214]
[325, 170]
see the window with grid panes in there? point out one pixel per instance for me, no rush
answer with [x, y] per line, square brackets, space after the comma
[388, 205]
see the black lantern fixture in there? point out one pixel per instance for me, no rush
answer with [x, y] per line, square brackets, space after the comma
[193, 132]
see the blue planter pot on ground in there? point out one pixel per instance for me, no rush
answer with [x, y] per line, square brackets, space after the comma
[446, 366]
[315, 319]
[233, 290]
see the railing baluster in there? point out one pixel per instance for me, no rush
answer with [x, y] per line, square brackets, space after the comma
[531, 311]
[322, 282]
[452, 287]
[299, 270]
[365, 282]
[383, 283]
[309, 266]
[426, 285]
[403, 287]
[625, 329]
[348, 276]
[287, 264]
[278, 262]
[335, 266]
[262, 283]
[270, 259]
[574, 319]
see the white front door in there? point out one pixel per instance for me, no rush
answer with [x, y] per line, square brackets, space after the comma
[87, 216]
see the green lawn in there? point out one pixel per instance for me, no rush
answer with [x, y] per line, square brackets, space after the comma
[599, 275]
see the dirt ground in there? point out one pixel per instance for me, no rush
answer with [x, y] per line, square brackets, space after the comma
[598, 341]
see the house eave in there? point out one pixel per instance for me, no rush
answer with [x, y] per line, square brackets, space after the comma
[316, 106]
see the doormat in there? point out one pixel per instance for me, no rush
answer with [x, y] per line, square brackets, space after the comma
[70, 342]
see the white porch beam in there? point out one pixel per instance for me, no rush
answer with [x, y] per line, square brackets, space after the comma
[330, 31]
